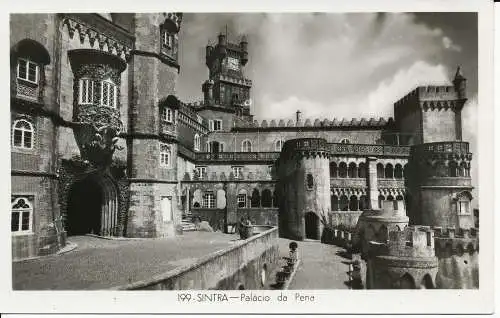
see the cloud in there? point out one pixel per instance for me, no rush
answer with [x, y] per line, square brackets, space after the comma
[448, 44]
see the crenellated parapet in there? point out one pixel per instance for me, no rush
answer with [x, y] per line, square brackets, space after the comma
[451, 241]
[306, 147]
[94, 34]
[316, 123]
[172, 21]
[443, 159]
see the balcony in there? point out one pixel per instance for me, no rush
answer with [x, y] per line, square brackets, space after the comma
[240, 157]
[348, 183]
[450, 147]
[368, 150]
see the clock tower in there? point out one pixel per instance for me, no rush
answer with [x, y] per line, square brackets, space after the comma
[227, 86]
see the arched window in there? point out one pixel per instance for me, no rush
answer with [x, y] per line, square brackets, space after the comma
[398, 171]
[362, 170]
[278, 145]
[108, 94]
[334, 200]
[389, 171]
[353, 203]
[197, 142]
[246, 146]
[380, 171]
[453, 167]
[22, 134]
[333, 170]
[275, 199]
[381, 199]
[255, 199]
[342, 170]
[363, 202]
[21, 215]
[345, 141]
[164, 155]
[400, 201]
[463, 203]
[353, 170]
[463, 170]
[344, 203]
[267, 200]
[310, 181]
[167, 114]
[86, 91]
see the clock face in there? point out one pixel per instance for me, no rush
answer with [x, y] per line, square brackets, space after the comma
[233, 63]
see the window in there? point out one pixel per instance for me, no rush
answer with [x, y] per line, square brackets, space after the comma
[201, 172]
[167, 39]
[209, 200]
[86, 92]
[22, 215]
[246, 146]
[166, 114]
[270, 170]
[22, 134]
[463, 207]
[238, 172]
[278, 145]
[215, 125]
[242, 200]
[164, 155]
[108, 94]
[27, 71]
[310, 181]
[345, 141]
[197, 142]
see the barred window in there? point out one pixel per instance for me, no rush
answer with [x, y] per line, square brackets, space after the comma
[86, 95]
[167, 39]
[209, 200]
[22, 135]
[242, 200]
[164, 155]
[108, 94]
[22, 215]
[27, 70]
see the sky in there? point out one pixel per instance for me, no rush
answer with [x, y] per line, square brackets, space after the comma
[334, 65]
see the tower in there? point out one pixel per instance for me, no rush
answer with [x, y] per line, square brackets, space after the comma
[303, 188]
[439, 179]
[153, 122]
[227, 85]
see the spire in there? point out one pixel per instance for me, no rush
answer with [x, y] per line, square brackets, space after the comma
[458, 74]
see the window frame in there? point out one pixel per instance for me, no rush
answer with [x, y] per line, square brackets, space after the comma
[80, 91]
[109, 83]
[23, 134]
[248, 148]
[201, 171]
[242, 196]
[214, 124]
[165, 154]
[459, 206]
[197, 142]
[237, 172]
[27, 62]
[30, 210]
[209, 200]
[281, 142]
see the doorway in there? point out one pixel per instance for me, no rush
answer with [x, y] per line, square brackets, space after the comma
[312, 226]
[84, 208]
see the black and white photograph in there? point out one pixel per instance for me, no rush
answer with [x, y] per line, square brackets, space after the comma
[274, 152]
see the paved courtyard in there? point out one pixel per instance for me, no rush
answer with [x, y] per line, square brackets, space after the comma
[321, 267]
[99, 263]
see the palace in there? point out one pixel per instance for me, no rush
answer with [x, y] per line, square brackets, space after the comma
[102, 145]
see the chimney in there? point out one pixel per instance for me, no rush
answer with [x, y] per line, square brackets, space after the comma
[298, 117]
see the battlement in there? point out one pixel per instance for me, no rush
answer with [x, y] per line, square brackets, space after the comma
[354, 122]
[430, 92]
[413, 242]
[451, 241]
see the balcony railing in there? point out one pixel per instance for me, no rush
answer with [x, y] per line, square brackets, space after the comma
[457, 147]
[368, 150]
[348, 182]
[391, 183]
[237, 156]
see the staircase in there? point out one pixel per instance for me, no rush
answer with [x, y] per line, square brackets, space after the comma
[187, 224]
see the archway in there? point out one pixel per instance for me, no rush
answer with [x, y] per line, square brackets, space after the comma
[312, 225]
[92, 207]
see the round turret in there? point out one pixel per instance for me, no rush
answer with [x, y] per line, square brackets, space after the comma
[244, 50]
[460, 84]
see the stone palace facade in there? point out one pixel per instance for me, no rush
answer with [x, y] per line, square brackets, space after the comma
[101, 144]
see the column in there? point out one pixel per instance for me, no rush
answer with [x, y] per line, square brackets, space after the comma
[371, 164]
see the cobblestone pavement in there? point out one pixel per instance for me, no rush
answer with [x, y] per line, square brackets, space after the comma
[321, 265]
[100, 263]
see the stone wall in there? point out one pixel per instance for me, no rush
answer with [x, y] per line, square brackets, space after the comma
[219, 270]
